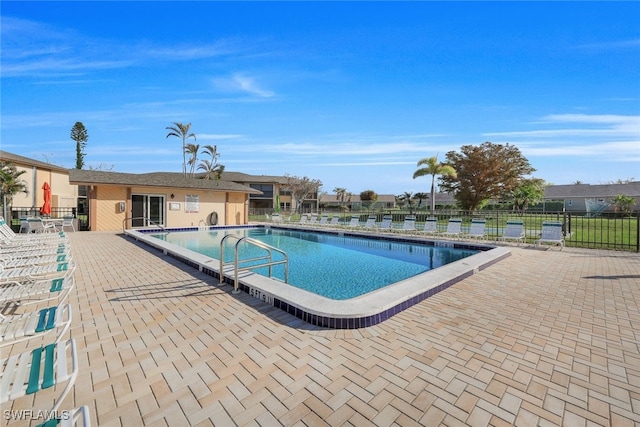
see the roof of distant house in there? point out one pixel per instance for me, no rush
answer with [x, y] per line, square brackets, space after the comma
[257, 179]
[591, 191]
[155, 179]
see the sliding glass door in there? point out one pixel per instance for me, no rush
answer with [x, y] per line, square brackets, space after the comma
[147, 209]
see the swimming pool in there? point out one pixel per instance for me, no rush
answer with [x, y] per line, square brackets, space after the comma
[364, 310]
[335, 266]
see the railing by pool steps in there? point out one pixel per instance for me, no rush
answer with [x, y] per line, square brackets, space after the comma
[237, 261]
[145, 219]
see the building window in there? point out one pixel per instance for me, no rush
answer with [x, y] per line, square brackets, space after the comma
[267, 191]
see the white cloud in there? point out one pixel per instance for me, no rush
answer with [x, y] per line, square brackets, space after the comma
[242, 83]
[611, 137]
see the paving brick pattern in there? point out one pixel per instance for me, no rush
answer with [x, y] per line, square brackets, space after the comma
[543, 338]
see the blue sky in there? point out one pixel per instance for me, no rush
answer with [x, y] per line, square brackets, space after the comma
[353, 94]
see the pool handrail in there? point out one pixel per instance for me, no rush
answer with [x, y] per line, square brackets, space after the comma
[259, 244]
[146, 219]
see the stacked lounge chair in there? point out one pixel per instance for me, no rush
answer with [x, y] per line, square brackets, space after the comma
[37, 269]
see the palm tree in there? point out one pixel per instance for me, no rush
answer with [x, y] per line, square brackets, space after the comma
[341, 193]
[407, 199]
[211, 167]
[420, 197]
[433, 168]
[10, 184]
[192, 151]
[181, 131]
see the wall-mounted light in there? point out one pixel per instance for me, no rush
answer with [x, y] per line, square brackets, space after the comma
[172, 196]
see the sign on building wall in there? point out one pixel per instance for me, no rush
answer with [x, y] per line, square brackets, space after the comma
[192, 203]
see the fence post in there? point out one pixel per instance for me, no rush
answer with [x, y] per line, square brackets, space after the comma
[638, 231]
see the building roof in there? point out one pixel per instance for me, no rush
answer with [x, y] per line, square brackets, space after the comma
[257, 179]
[26, 161]
[591, 191]
[154, 179]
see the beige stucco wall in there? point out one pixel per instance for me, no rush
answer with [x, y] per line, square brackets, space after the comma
[104, 212]
[105, 215]
[209, 201]
[237, 209]
[63, 194]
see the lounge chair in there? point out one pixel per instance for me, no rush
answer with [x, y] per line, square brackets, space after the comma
[387, 222]
[477, 229]
[324, 220]
[303, 219]
[21, 327]
[37, 272]
[430, 226]
[37, 291]
[314, 219]
[9, 237]
[31, 251]
[371, 222]
[335, 220]
[355, 221]
[409, 223]
[454, 228]
[551, 234]
[276, 218]
[514, 230]
[7, 261]
[70, 418]
[39, 369]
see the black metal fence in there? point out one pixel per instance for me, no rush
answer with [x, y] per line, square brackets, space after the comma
[607, 231]
[81, 218]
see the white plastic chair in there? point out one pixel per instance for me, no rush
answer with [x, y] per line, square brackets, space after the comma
[551, 234]
[371, 222]
[454, 227]
[67, 221]
[387, 222]
[430, 226]
[477, 229]
[514, 230]
[409, 223]
[24, 226]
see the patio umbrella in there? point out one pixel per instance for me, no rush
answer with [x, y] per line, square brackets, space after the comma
[46, 208]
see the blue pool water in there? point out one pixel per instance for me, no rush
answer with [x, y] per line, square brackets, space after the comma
[337, 267]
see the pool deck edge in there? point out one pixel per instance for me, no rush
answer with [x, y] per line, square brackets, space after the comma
[362, 311]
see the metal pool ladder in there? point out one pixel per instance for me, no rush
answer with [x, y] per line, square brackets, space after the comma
[269, 263]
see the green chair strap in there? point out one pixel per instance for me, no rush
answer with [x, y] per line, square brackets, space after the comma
[34, 374]
[48, 379]
[56, 285]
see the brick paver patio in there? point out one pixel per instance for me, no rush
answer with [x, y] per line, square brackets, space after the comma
[542, 338]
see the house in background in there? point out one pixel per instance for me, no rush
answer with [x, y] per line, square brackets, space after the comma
[125, 200]
[353, 202]
[65, 198]
[591, 198]
[273, 194]
[109, 201]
